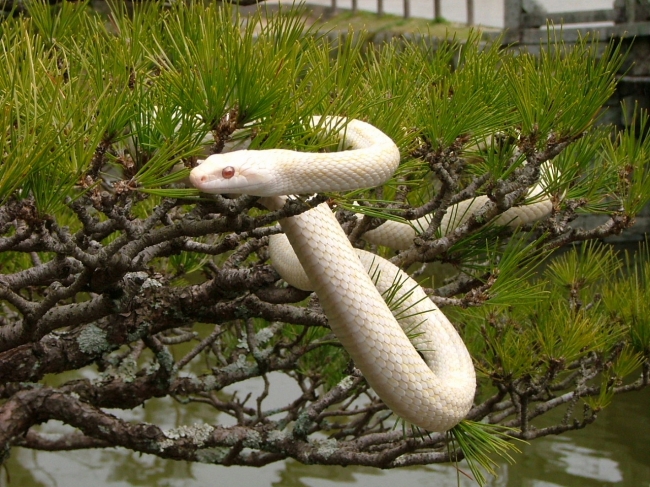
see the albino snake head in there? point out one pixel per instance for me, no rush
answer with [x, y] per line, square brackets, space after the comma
[232, 173]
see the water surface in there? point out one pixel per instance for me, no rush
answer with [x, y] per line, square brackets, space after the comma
[615, 451]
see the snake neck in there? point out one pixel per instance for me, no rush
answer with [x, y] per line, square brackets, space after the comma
[273, 202]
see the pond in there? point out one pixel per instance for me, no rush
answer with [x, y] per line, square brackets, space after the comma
[615, 451]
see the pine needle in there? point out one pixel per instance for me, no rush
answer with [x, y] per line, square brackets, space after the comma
[478, 441]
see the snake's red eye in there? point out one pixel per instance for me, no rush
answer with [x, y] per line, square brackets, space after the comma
[228, 172]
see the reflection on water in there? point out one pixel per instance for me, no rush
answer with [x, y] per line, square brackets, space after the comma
[613, 451]
[585, 462]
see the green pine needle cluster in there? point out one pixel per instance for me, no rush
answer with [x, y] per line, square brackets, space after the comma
[151, 88]
[478, 441]
[587, 302]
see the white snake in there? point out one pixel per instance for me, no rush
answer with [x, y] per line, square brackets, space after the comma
[428, 380]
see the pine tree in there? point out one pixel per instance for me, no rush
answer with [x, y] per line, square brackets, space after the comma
[120, 284]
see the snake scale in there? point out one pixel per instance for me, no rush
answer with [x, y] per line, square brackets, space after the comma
[428, 379]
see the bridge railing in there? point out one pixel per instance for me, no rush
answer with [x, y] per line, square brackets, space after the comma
[406, 9]
[525, 14]
[626, 18]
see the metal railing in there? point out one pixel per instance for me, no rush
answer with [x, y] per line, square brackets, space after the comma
[406, 9]
[626, 18]
[518, 14]
[516, 17]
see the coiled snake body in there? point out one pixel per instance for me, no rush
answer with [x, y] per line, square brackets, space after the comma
[428, 380]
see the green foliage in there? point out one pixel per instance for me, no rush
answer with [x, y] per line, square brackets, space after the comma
[502, 341]
[478, 440]
[514, 265]
[388, 91]
[161, 81]
[586, 303]
[565, 336]
[548, 89]
[49, 134]
[627, 301]
[596, 263]
[11, 262]
[58, 23]
[582, 174]
[466, 102]
[326, 359]
[185, 263]
[624, 155]
[229, 68]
